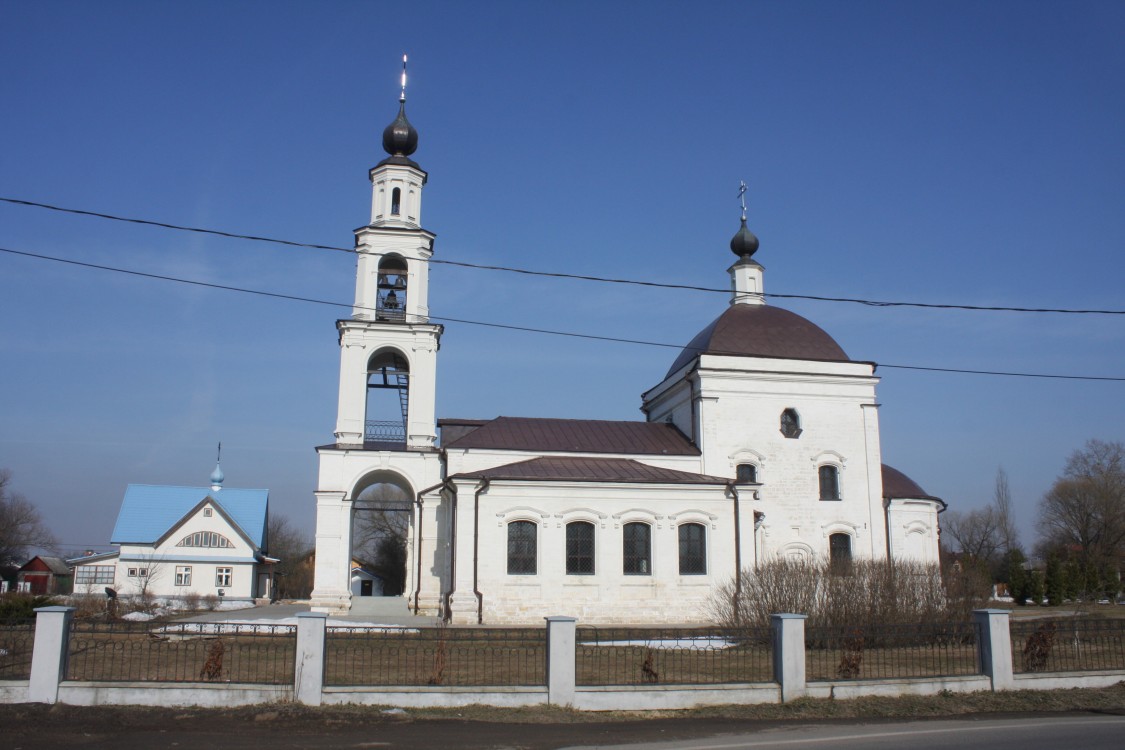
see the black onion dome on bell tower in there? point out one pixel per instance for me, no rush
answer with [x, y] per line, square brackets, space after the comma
[744, 244]
[400, 138]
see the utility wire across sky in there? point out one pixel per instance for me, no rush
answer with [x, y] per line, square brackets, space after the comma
[526, 329]
[557, 275]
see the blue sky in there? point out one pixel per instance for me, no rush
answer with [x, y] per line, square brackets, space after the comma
[950, 152]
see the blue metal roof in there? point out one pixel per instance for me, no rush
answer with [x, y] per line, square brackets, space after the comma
[149, 511]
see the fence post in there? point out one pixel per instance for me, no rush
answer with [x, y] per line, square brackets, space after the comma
[308, 672]
[789, 654]
[995, 646]
[48, 657]
[561, 655]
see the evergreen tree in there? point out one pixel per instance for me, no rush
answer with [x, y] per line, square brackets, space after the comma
[1017, 576]
[1035, 587]
[1053, 584]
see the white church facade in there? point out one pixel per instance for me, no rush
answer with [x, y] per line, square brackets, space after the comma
[761, 441]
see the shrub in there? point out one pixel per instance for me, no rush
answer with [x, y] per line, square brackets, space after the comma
[19, 606]
[210, 602]
[190, 602]
[870, 592]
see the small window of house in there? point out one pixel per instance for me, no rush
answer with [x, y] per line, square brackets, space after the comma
[521, 548]
[693, 550]
[396, 200]
[207, 512]
[829, 482]
[637, 539]
[747, 473]
[132, 572]
[579, 548]
[790, 423]
[183, 575]
[223, 577]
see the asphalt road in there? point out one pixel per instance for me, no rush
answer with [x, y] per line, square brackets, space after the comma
[1013, 732]
[1086, 732]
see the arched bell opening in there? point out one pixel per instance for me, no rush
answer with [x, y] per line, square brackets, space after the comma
[388, 397]
[390, 303]
[382, 520]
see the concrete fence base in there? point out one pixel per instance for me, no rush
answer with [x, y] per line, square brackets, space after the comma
[47, 683]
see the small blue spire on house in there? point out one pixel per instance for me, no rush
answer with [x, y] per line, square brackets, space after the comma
[217, 475]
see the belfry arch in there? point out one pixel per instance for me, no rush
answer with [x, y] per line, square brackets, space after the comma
[387, 409]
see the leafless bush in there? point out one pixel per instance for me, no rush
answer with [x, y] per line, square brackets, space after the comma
[191, 601]
[866, 592]
[210, 602]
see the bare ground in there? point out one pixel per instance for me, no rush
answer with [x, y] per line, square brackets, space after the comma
[27, 726]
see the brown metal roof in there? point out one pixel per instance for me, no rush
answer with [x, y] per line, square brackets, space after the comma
[572, 469]
[762, 331]
[577, 436]
[898, 486]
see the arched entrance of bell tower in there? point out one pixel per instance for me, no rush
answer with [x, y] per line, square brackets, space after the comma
[382, 525]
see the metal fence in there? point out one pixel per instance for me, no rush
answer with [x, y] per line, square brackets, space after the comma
[182, 652]
[672, 656]
[17, 639]
[1070, 645]
[436, 656]
[887, 652]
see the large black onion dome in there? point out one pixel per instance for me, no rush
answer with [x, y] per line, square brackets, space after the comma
[400, 138]
[744, 243]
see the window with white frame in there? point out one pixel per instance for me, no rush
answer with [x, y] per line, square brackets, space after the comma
[138, 572]
[183, 575]
[205, 539]
[223, 577]
[94, 574]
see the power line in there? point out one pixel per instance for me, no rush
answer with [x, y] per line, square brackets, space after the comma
[560, 275]
[503, 326]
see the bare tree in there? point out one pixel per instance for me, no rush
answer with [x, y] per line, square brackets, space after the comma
[1084, 511]
[976, 533]
[1005, 518]
[291, 545]
[21, 528]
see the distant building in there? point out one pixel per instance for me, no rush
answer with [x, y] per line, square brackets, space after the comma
[44, 575]
[760, 442]
[180, 541]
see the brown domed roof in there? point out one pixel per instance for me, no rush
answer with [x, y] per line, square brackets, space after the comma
[897, 485]
[762, 331]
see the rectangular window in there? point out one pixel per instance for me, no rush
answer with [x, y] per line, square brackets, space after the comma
[829, 483]
[579, 549]
[132, 572]
[521, 548]
[693, 550]
[94, 574]
[222, 577]
[183, 575]
[142, 572]
[207, 512]
[638, 549]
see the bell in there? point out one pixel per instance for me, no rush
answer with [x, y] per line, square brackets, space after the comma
[391, 300]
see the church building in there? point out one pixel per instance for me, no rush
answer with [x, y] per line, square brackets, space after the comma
[760, 442]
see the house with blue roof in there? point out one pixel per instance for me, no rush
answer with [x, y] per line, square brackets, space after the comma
[185, 541]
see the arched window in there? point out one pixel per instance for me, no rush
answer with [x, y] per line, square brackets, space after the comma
[388, 397]
[205, 539]
[579, 548]
[790, 423]
[693, 549]
[521, 548]
[840, 552]
[637, 538]
[746, 473]
[390, 302]
[396, 201]
[829, 482]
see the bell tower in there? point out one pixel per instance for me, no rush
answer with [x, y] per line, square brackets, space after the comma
[388, 348]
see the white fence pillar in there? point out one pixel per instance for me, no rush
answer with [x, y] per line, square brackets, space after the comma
[789, 654]
[995, 646]
[561, 654]
[308, 673]
[48, 659]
